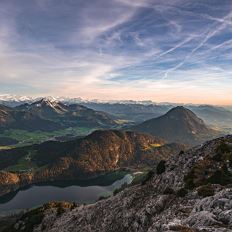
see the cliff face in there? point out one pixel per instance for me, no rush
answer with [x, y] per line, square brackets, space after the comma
[98, 153]
[164, 202]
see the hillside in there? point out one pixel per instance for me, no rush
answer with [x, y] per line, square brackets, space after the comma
[96, 154]
[165, 202]
[178, 125]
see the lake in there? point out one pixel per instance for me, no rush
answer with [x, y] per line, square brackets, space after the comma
[76, 191]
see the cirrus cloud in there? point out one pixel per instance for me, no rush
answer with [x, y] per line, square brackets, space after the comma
[117, 49]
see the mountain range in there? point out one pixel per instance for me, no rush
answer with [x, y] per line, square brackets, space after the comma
[47, 115]
[179, 124]
[216, 116]
[136, 111]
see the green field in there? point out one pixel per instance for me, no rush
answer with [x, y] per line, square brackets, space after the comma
[27, 137]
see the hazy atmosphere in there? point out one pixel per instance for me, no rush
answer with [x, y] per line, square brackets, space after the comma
[174, 50]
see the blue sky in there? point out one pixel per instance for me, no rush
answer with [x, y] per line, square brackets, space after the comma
[172, 50]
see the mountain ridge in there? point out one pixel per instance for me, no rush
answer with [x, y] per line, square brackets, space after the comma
[47, 115]
[100, 152]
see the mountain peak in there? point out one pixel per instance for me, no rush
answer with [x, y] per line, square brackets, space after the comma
[44, 101]
[181, 112]
[178, 124]
[180, 109]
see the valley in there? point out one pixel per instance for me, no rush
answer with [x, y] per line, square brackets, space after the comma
[101, 152]
[24, 137]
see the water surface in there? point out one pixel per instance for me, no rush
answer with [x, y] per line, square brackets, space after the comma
[36, 195]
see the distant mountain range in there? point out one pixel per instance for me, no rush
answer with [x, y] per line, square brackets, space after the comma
[47, 115]
[178, 125]
[136, 111]
[217, 116]
[16, 100]
[100, 152]
[214, 115]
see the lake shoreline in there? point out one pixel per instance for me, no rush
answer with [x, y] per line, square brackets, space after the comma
[78, 191]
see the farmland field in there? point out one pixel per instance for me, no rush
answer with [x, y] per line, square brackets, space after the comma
[27, 138]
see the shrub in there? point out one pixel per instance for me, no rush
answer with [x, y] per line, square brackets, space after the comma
[217, 157]
[161, 167]
[74, 205]
[181, 152]
[223, 148]
[205, 190]
[60, 210]
[32, 218]
[181, 192]
[181, 228]
[212, 169]
[222, 177]
[149, 175]
[169, 191]
[102, 198]
[189, 180]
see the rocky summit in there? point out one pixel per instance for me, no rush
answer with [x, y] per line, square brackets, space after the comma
[186, 193]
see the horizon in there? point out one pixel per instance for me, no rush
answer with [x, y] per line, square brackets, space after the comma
[177, 52]
[12, 97]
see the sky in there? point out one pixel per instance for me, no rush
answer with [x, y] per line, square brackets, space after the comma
[164, 51]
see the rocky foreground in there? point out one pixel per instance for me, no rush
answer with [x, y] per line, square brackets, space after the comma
[189, 193]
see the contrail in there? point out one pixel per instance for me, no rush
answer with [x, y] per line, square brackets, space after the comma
[207, 37]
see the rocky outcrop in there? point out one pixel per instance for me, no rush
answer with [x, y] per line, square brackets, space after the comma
[162, 203]
[212, 211]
